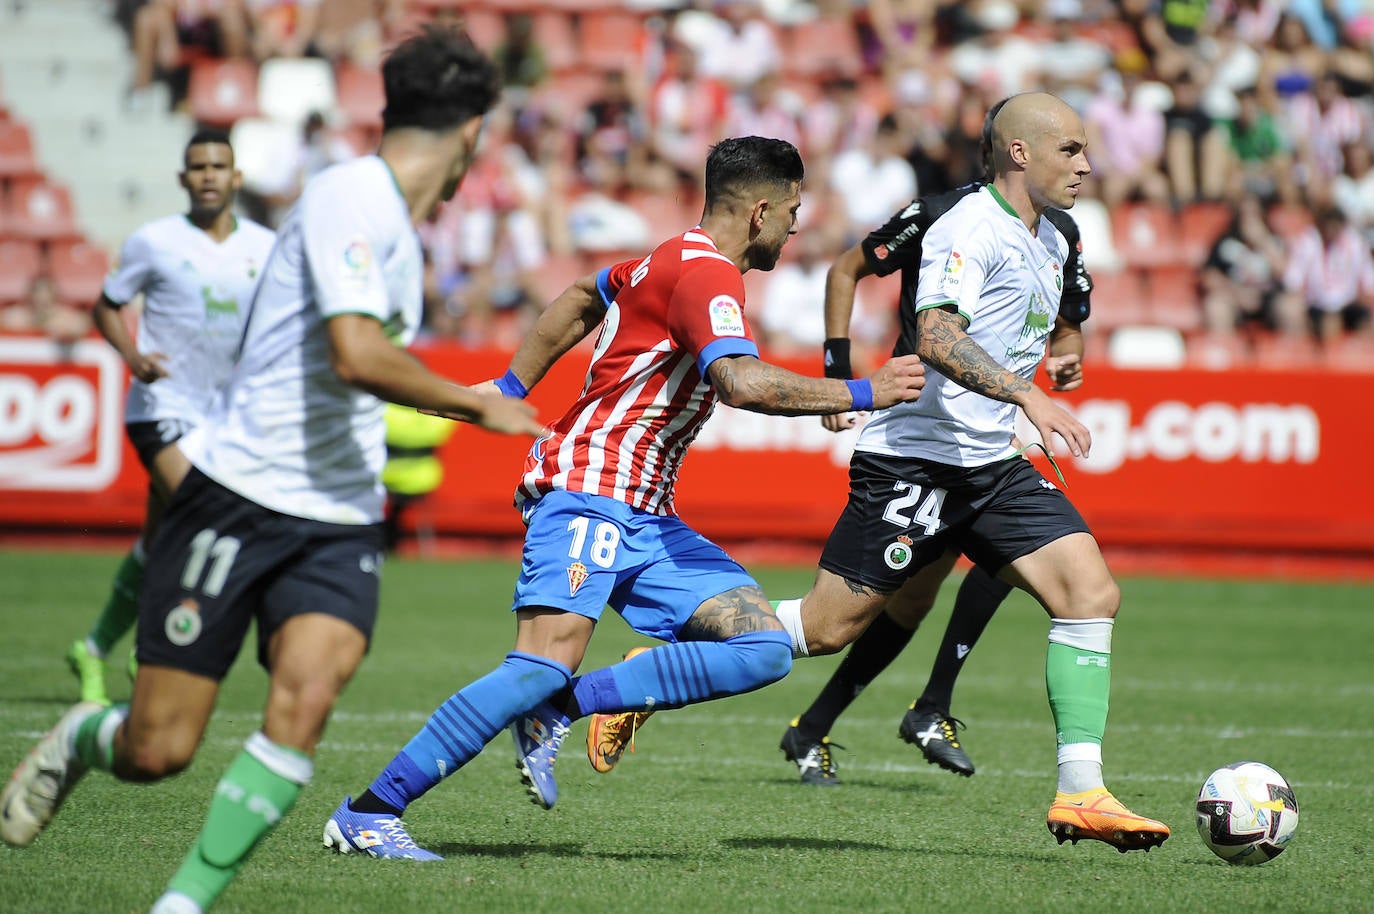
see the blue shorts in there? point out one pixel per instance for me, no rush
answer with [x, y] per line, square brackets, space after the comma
[584, 552]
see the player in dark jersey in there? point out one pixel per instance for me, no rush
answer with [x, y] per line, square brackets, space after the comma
[927, 724]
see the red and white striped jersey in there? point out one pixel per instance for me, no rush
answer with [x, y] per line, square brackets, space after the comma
[646, 395]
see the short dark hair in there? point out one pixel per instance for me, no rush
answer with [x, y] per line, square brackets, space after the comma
[436, 80]
[741, 162]
[203, 136]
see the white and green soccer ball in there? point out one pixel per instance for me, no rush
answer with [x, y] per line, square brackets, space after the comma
[1246, 813]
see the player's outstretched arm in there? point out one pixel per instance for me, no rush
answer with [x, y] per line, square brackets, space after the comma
[567, 321]
[363, 356]
[841, 280]
[746, 382]
[943, 343]
[1064, 358]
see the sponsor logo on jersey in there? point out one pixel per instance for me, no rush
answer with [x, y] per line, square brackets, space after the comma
[577, 573]
[727, 318]
[183, 623]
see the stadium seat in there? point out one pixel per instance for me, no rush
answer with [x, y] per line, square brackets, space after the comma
[1119, 299]
[361, 94]
[553, 32]
[611, 41]
[827, 44]
[20, 262]
[16, 151]
[260, 146]
[485, 27]
[223, 91]
[1352, 352]
[1212, 352]
[1174, 299]
[1095, 232]
[1146, 347]
[78, 271]
[290, 89]
[1280, 351]
[41, 211]
[1201, 224]
[1146, 235]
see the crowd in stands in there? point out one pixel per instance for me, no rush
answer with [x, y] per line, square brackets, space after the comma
[1232, 198]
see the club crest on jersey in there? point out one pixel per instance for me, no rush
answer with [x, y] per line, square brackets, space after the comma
[183, 623]
[727, 318]
[577, 573]
[898, 555]
[881, 252]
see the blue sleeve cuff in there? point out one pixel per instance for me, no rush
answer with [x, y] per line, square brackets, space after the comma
[723, 347]
[511, 386]
[603, 286]
[862, 392]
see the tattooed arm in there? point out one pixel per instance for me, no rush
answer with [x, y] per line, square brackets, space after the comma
[944, 344]
[745, 382]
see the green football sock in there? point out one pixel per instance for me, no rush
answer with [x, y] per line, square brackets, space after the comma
[259, 788]
[1078, 680]
[95, 737]
[121, 610]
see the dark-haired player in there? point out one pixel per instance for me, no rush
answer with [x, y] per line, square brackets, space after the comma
[278, 522]
[196, 271]
[597, 496]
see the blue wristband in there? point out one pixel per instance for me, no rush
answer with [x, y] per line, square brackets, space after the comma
[862, 392]
[510, 385]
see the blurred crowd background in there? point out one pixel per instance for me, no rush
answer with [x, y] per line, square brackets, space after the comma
[1228, 221]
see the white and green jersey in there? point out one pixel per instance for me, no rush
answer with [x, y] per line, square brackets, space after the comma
[1006, 282]
[289, 434]
[196, 292]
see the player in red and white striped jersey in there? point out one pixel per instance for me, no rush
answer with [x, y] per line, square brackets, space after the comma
[597, 494]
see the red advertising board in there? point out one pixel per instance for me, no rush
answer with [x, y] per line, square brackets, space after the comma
[1244, 460]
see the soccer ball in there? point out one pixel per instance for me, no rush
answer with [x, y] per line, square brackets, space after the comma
[1246, 813]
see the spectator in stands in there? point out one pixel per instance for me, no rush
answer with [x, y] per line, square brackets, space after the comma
[1170, 32]
[1353, 57]
[519, 57]
[1321, 122]
[687, 112]
[1242, 277]
[840, 119]
[611, 135]
[899, 36]
[1292, 62]
[1072, 65]
[1353, 188]
[793, 314]
[282, 28]
[1126, 136]
[163, 29]
[1329, 281]
[1260, 161]
[734, 43]
[767, 109]
[997, 63]
[1194, 147]
[42, 312]
[868, 184]
[357, 31]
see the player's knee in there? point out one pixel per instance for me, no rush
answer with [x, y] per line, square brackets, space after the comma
[763, 657]
[155, 757]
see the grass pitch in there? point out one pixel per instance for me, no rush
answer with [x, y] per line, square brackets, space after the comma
[707, 816]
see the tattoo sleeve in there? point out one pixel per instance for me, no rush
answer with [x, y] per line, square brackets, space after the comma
[735, 612]
[942, 341]
[748, 383]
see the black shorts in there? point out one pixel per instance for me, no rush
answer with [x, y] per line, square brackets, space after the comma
[905, 513]
[148, 438]
[220, 561]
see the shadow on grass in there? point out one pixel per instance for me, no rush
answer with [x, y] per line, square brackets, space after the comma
[802, 844]
[525, 849]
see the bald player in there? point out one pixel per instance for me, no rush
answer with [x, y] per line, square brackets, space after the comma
[937, 476]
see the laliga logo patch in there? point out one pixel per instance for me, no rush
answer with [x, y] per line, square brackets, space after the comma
[577, 573]
[726, 317]
[183, 623]
[357, 258]
[898, 555]
[954, 270]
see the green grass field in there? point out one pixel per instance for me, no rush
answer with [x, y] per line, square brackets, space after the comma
[707, 816]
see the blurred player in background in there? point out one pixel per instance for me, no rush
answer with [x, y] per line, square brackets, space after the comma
[597, 498]
[278, 522]
[196, 272]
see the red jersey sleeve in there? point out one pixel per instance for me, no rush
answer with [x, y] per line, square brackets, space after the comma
[706, 312]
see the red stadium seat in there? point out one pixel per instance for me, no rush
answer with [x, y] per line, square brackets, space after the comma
[824, 45]
[41, 211]
[611, 41]
[553, 32]
[1146, 235]
[16, 151]
[1119, 300]
[223, 91]
[78, 270]
[1174, 298]
[485, 27]
[1201, 224]
[20, 262]
[361, 94]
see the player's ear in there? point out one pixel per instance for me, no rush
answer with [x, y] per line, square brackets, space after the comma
[761, 211]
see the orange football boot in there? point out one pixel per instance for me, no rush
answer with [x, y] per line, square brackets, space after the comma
[1099, 816]
[609, 735]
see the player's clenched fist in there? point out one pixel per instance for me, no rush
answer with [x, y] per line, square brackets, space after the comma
[899, 381]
